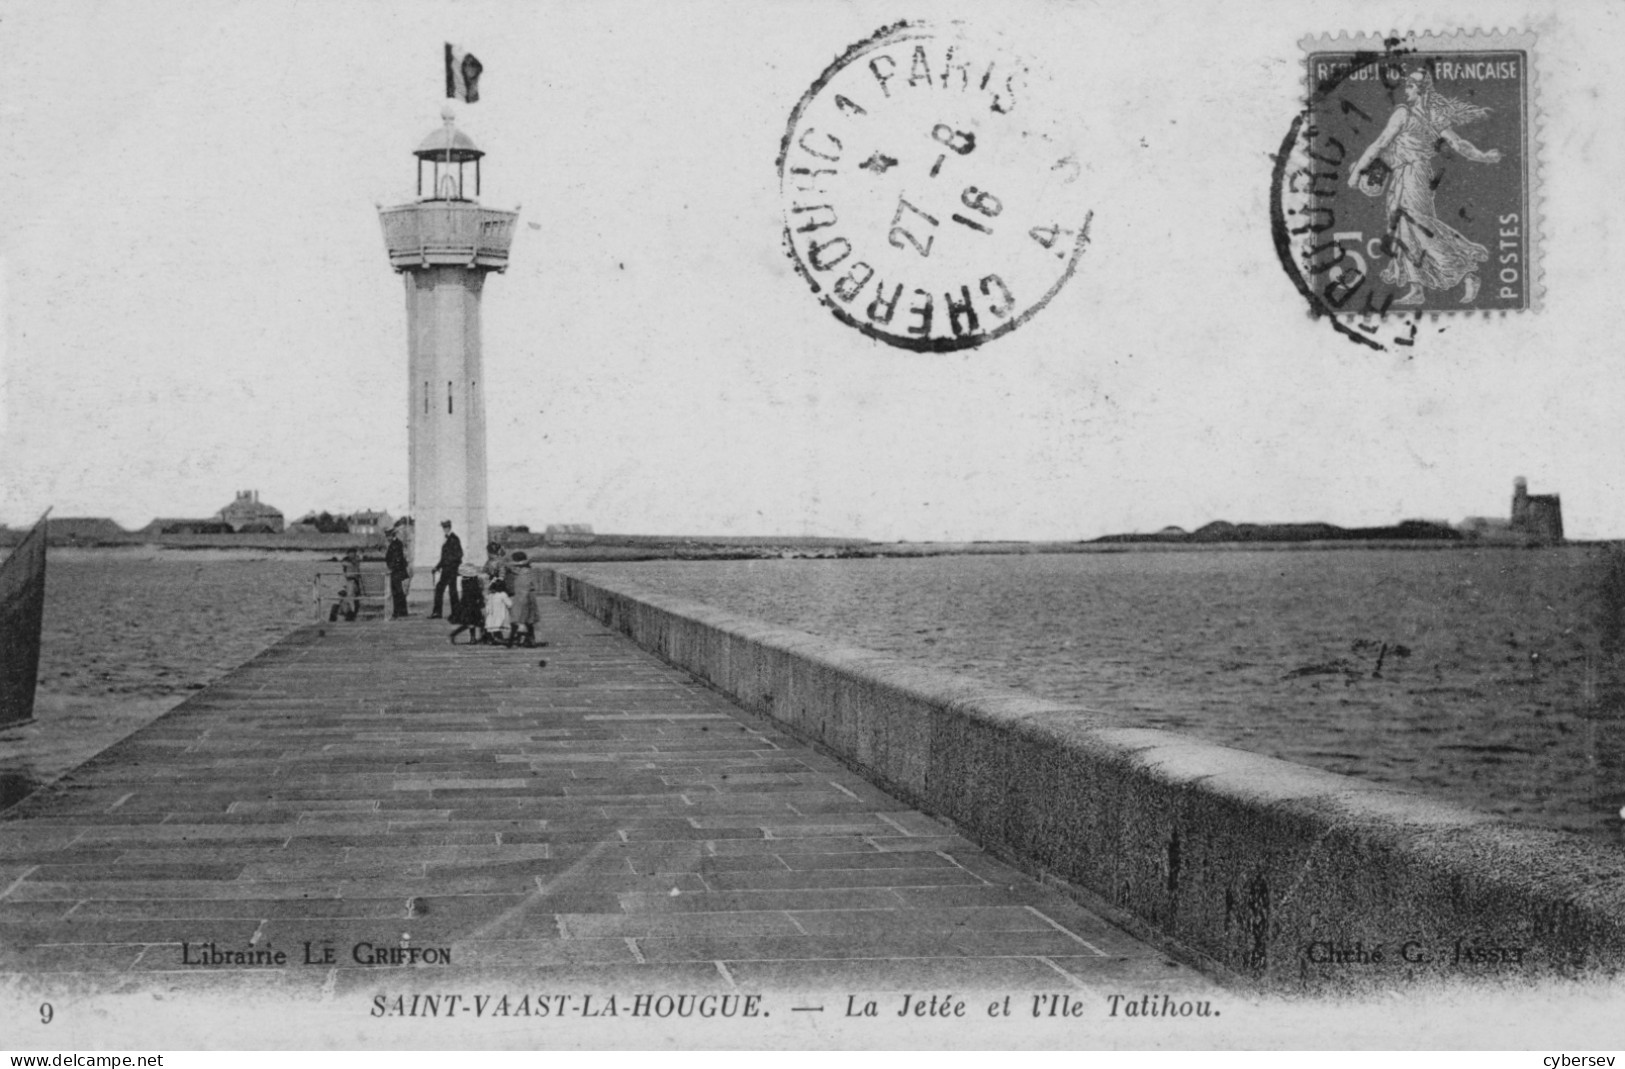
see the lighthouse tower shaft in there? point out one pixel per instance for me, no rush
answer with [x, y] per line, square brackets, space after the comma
[446, 426]
[444, 246]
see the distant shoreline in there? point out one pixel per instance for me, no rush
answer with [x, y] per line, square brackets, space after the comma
[651, 548]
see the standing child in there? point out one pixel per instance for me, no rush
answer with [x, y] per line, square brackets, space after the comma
[497, 609]
[470, 611]
[521, 582]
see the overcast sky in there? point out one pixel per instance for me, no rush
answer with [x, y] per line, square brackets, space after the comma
[196, 297]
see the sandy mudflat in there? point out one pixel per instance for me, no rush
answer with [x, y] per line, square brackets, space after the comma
[130, 633]
[69, 729]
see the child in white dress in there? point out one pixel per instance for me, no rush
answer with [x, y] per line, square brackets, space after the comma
[498, 611]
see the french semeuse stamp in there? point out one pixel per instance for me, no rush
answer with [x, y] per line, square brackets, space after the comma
[1408, 184]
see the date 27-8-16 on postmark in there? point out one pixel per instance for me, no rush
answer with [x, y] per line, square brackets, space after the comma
[1407, 184]
[931, 188]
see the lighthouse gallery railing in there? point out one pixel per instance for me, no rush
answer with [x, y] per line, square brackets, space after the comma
[447, 232]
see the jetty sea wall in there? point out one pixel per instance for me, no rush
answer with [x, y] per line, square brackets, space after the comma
[1269, 872]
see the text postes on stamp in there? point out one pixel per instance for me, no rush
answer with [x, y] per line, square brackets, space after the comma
[1407, 184]
[927, 199]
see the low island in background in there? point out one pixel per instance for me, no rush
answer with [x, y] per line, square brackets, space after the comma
[248, 524]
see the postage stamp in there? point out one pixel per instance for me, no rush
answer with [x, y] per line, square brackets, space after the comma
[929, 200]
[1409, 184]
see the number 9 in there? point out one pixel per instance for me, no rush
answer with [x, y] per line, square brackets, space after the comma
[46, 1012]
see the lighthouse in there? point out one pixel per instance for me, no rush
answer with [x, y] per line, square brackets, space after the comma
[443, 245]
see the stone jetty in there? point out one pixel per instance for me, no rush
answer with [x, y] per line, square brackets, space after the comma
[365, 811]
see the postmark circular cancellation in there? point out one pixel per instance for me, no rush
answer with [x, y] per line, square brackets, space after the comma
[929, 200]
[1409, 184]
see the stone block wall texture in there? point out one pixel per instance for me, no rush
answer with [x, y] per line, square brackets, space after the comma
[1264, 870]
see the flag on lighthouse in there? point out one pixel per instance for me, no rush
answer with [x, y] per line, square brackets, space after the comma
[462, 74]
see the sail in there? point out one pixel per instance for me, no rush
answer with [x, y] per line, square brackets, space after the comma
[22, 605]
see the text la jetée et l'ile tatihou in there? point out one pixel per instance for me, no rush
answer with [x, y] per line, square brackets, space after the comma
[945, 1006]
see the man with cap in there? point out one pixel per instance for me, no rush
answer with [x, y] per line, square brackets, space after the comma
[399, 571]
[451, 558]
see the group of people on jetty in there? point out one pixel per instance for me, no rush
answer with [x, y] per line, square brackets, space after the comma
[495, 603]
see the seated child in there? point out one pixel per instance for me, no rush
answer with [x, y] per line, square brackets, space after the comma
[346, 606]
[349, 602]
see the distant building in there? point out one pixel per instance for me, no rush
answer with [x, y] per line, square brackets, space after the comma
[173, 525]
[1491, 527]
[247, 510]
[502, 533]
[370, 522]
[1537, 516]
[321, 523]
[1536, 519]
[83, 529]
[566, 534]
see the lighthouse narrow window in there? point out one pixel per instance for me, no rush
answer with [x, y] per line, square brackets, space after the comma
[448, 398]
[425, 397]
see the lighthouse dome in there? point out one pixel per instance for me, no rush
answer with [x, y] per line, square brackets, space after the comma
[448, 145]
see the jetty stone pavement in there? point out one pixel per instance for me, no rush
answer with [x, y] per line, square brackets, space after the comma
[361, 795]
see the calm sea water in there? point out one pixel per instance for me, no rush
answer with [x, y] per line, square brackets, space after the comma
[1490, 677]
